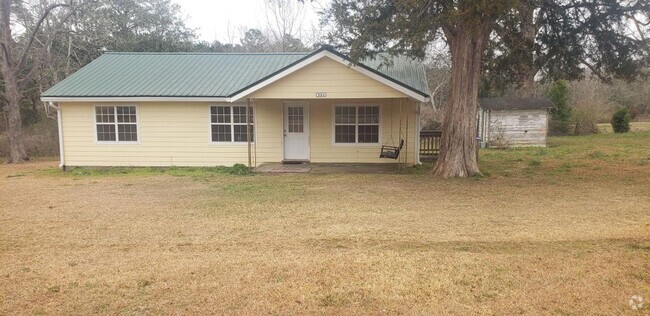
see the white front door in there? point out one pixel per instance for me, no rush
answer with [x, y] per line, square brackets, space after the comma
[296, 131]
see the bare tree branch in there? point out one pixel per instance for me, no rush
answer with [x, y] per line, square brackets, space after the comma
[37, 28]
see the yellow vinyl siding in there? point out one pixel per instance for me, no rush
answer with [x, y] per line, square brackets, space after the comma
[329, 76]
[323, 148]
[171, 134]
[178, 134]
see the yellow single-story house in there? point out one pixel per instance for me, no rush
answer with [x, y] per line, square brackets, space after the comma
[190, 109]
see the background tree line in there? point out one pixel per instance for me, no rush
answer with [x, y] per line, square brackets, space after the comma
[587, 100]
[44, 41]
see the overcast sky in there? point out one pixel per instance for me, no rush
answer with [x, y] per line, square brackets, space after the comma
[213, 18]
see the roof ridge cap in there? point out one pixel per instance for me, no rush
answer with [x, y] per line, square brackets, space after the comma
[204, 53]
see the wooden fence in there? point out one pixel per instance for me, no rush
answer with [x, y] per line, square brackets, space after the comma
[429, 143]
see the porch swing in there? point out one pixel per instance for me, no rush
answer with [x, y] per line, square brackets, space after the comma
[392, 151]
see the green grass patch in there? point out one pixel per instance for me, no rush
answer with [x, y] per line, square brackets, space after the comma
[568, 154]
[237, 169]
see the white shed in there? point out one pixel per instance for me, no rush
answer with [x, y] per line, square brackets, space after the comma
[513, 122]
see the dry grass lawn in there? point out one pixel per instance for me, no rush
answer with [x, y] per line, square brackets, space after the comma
[563, 230]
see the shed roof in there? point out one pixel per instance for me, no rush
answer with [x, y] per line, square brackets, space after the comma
[205, 74]
[515, 103]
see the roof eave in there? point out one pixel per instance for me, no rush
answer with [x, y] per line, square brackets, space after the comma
[133, 99]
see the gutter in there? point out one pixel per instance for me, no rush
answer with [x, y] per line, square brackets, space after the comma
[136, 99]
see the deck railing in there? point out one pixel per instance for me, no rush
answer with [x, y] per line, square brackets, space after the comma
[430, 143]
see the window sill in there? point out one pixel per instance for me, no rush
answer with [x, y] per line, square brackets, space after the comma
[357, 144]
[230, 143]
[101, 142]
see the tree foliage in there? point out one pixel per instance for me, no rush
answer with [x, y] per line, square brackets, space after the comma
[253, 41]
[568, 39]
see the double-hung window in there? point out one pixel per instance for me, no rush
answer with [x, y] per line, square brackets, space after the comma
[228, 124]
[356, 124]
[116, 123]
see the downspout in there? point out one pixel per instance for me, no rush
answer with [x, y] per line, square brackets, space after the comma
[248, 133]
[59, 124]
[417, 135]
[254, 140]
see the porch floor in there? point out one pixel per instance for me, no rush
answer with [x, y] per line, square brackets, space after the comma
[324, 168]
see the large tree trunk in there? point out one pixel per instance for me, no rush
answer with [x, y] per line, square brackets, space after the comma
[17, 151]
[458, 144]
[12, 94]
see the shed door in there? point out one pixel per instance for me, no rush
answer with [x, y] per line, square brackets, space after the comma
[296, 131]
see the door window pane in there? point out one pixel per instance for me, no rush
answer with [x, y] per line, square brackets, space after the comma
[295, 119]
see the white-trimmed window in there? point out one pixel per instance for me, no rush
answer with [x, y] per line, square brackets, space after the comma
[228, 124]
[116, 123]
[356, 124]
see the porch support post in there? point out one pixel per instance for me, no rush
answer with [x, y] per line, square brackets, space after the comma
[406, 157]
[248, 132]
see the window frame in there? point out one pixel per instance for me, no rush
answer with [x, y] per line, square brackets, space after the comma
[115, 123]
[231, 124]
[356, 124]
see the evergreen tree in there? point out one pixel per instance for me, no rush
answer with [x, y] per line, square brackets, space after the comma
[558, 93]
[621, 121]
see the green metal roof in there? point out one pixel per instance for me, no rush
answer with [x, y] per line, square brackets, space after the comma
[201, 74]
[409, 72]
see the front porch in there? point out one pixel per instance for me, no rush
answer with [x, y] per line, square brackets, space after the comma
[332, 131]
[329, 168]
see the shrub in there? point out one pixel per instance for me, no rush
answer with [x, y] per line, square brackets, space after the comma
[558, 93]
[239, 169]
[621, 121]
